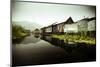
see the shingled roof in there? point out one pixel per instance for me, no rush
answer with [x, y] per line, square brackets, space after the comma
[87, 19]
[69, 21]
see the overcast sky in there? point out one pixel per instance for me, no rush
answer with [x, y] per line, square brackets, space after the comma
[46, 14]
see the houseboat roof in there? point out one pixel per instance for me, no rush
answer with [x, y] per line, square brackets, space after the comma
[70, 21]
[87, 19]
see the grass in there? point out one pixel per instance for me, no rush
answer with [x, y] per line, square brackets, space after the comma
[75, 38]
[19, 35]
[18, 32]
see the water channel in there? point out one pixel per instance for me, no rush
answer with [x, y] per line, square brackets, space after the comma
[36, 50]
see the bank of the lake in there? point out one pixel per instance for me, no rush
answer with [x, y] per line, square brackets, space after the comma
[75, 38]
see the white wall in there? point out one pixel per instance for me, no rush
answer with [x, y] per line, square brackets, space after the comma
[82, 25]
[71, 28]
[92, 25]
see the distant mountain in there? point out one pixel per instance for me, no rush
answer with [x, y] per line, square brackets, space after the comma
[28, 25]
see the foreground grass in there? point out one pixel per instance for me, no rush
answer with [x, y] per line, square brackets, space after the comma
[75, 38]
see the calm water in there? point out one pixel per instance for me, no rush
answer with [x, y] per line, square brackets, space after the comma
[46, 50]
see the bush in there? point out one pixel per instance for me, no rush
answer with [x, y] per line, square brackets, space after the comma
[18, 31]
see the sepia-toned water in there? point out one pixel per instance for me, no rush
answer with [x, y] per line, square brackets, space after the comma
[36, 50]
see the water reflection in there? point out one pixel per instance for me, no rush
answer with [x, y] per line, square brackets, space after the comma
[37, 35]
[75, 51]
[18, 40]
[26, 40]
[40, 52]
[34, 50]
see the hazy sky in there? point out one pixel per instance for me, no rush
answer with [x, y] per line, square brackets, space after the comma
[46, 14]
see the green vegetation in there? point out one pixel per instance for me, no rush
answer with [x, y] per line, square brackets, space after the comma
[76, 38]
[19, 32]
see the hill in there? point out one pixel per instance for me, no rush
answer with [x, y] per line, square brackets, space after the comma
[28, 25]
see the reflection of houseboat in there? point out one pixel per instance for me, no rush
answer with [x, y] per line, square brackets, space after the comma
[69, 26]
[36, 33]
[28, 32]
